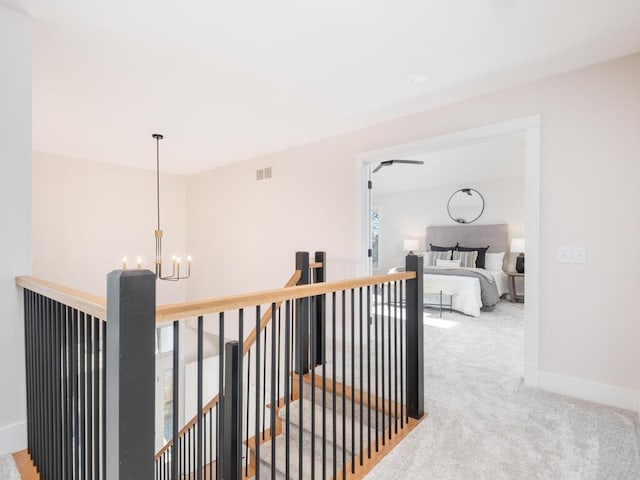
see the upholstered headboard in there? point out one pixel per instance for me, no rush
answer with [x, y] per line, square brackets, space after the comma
[494, 236]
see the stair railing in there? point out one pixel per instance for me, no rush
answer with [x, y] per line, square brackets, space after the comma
[338, 366]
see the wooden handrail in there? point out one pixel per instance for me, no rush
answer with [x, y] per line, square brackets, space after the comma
[85, 302]
[96, 306]
[178, 311]
[266, 317]
[209, 406]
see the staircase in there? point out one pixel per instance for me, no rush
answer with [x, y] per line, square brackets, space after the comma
[356, 342]
[328, 436]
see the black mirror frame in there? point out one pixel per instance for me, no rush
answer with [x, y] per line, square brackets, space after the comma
[462, 220]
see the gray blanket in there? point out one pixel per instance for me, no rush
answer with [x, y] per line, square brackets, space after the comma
[488, 288]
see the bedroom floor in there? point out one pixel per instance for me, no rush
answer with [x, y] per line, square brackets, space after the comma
[484, 423]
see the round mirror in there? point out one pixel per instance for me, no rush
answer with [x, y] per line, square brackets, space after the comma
[465, 206]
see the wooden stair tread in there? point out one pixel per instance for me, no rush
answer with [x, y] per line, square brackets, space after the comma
[25, 465]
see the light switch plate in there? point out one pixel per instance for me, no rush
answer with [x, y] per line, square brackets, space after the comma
[572, 255]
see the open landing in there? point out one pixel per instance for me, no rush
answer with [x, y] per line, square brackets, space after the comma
[485, 424]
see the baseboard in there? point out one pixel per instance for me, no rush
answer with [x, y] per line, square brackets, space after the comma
[13, 437]
[590, 391]
[531, 375]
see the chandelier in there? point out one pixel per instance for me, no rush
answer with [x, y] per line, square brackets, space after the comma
[176, 262]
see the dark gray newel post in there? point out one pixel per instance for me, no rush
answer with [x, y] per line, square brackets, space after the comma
[319, 276]
[302, 316]
[130, 374]
[415, 352]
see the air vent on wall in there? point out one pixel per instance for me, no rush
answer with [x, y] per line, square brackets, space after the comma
[263, 173]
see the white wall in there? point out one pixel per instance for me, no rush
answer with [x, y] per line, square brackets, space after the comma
[247, 231]
[405, 215]
[88, 215]
[15, 209]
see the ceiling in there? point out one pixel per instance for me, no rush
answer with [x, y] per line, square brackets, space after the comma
[229, 80]
[495, 159]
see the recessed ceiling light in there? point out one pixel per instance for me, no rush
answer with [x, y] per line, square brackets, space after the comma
[418, 79]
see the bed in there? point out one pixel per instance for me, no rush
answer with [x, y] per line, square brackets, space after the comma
[478, 288]
[475, 288]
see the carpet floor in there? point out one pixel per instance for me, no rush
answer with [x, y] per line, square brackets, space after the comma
[8, 469]
[484, 423]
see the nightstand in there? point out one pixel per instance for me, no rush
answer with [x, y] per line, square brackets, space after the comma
[512, 287]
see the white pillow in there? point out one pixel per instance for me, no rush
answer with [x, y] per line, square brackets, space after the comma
[493, 261]
[447, 263]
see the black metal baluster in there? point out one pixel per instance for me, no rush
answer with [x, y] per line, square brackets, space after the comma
[103, 400]
[264, 383]
[83, 398]
[375, 356]
[76, 394]
[53, 447]
[96, 397]
[50, 389]
[36, 334]
[221, 408]
[50, 454]
[52, 392]
[287, 369]
[200, 438]
[312, 363]
[256, 435]
[361, 382]
[279, 355]
[211, 437]
[246, 458]
[45, 383]
[389, 369]
[353, 383]
[27, 349]
[57, 406]
[175, 407]
[35, 379]
[300, 369]
[272, 412]
[217, 429]
[369, 371]
[90, 397]
[382, 369]
[395, 357]
[344, 384]
[333, 390]
[402, 409]
[68, 321]
[42, 422]
[240, 394]
[324, 387]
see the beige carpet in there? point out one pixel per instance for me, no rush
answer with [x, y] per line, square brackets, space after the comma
[484, 424]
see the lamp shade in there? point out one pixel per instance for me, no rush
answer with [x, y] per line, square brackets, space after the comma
[517, 245]
[410, 245]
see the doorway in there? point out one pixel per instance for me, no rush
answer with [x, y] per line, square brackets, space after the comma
[529, 127]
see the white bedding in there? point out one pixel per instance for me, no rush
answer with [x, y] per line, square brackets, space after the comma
[468, 300]
[501, 281]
